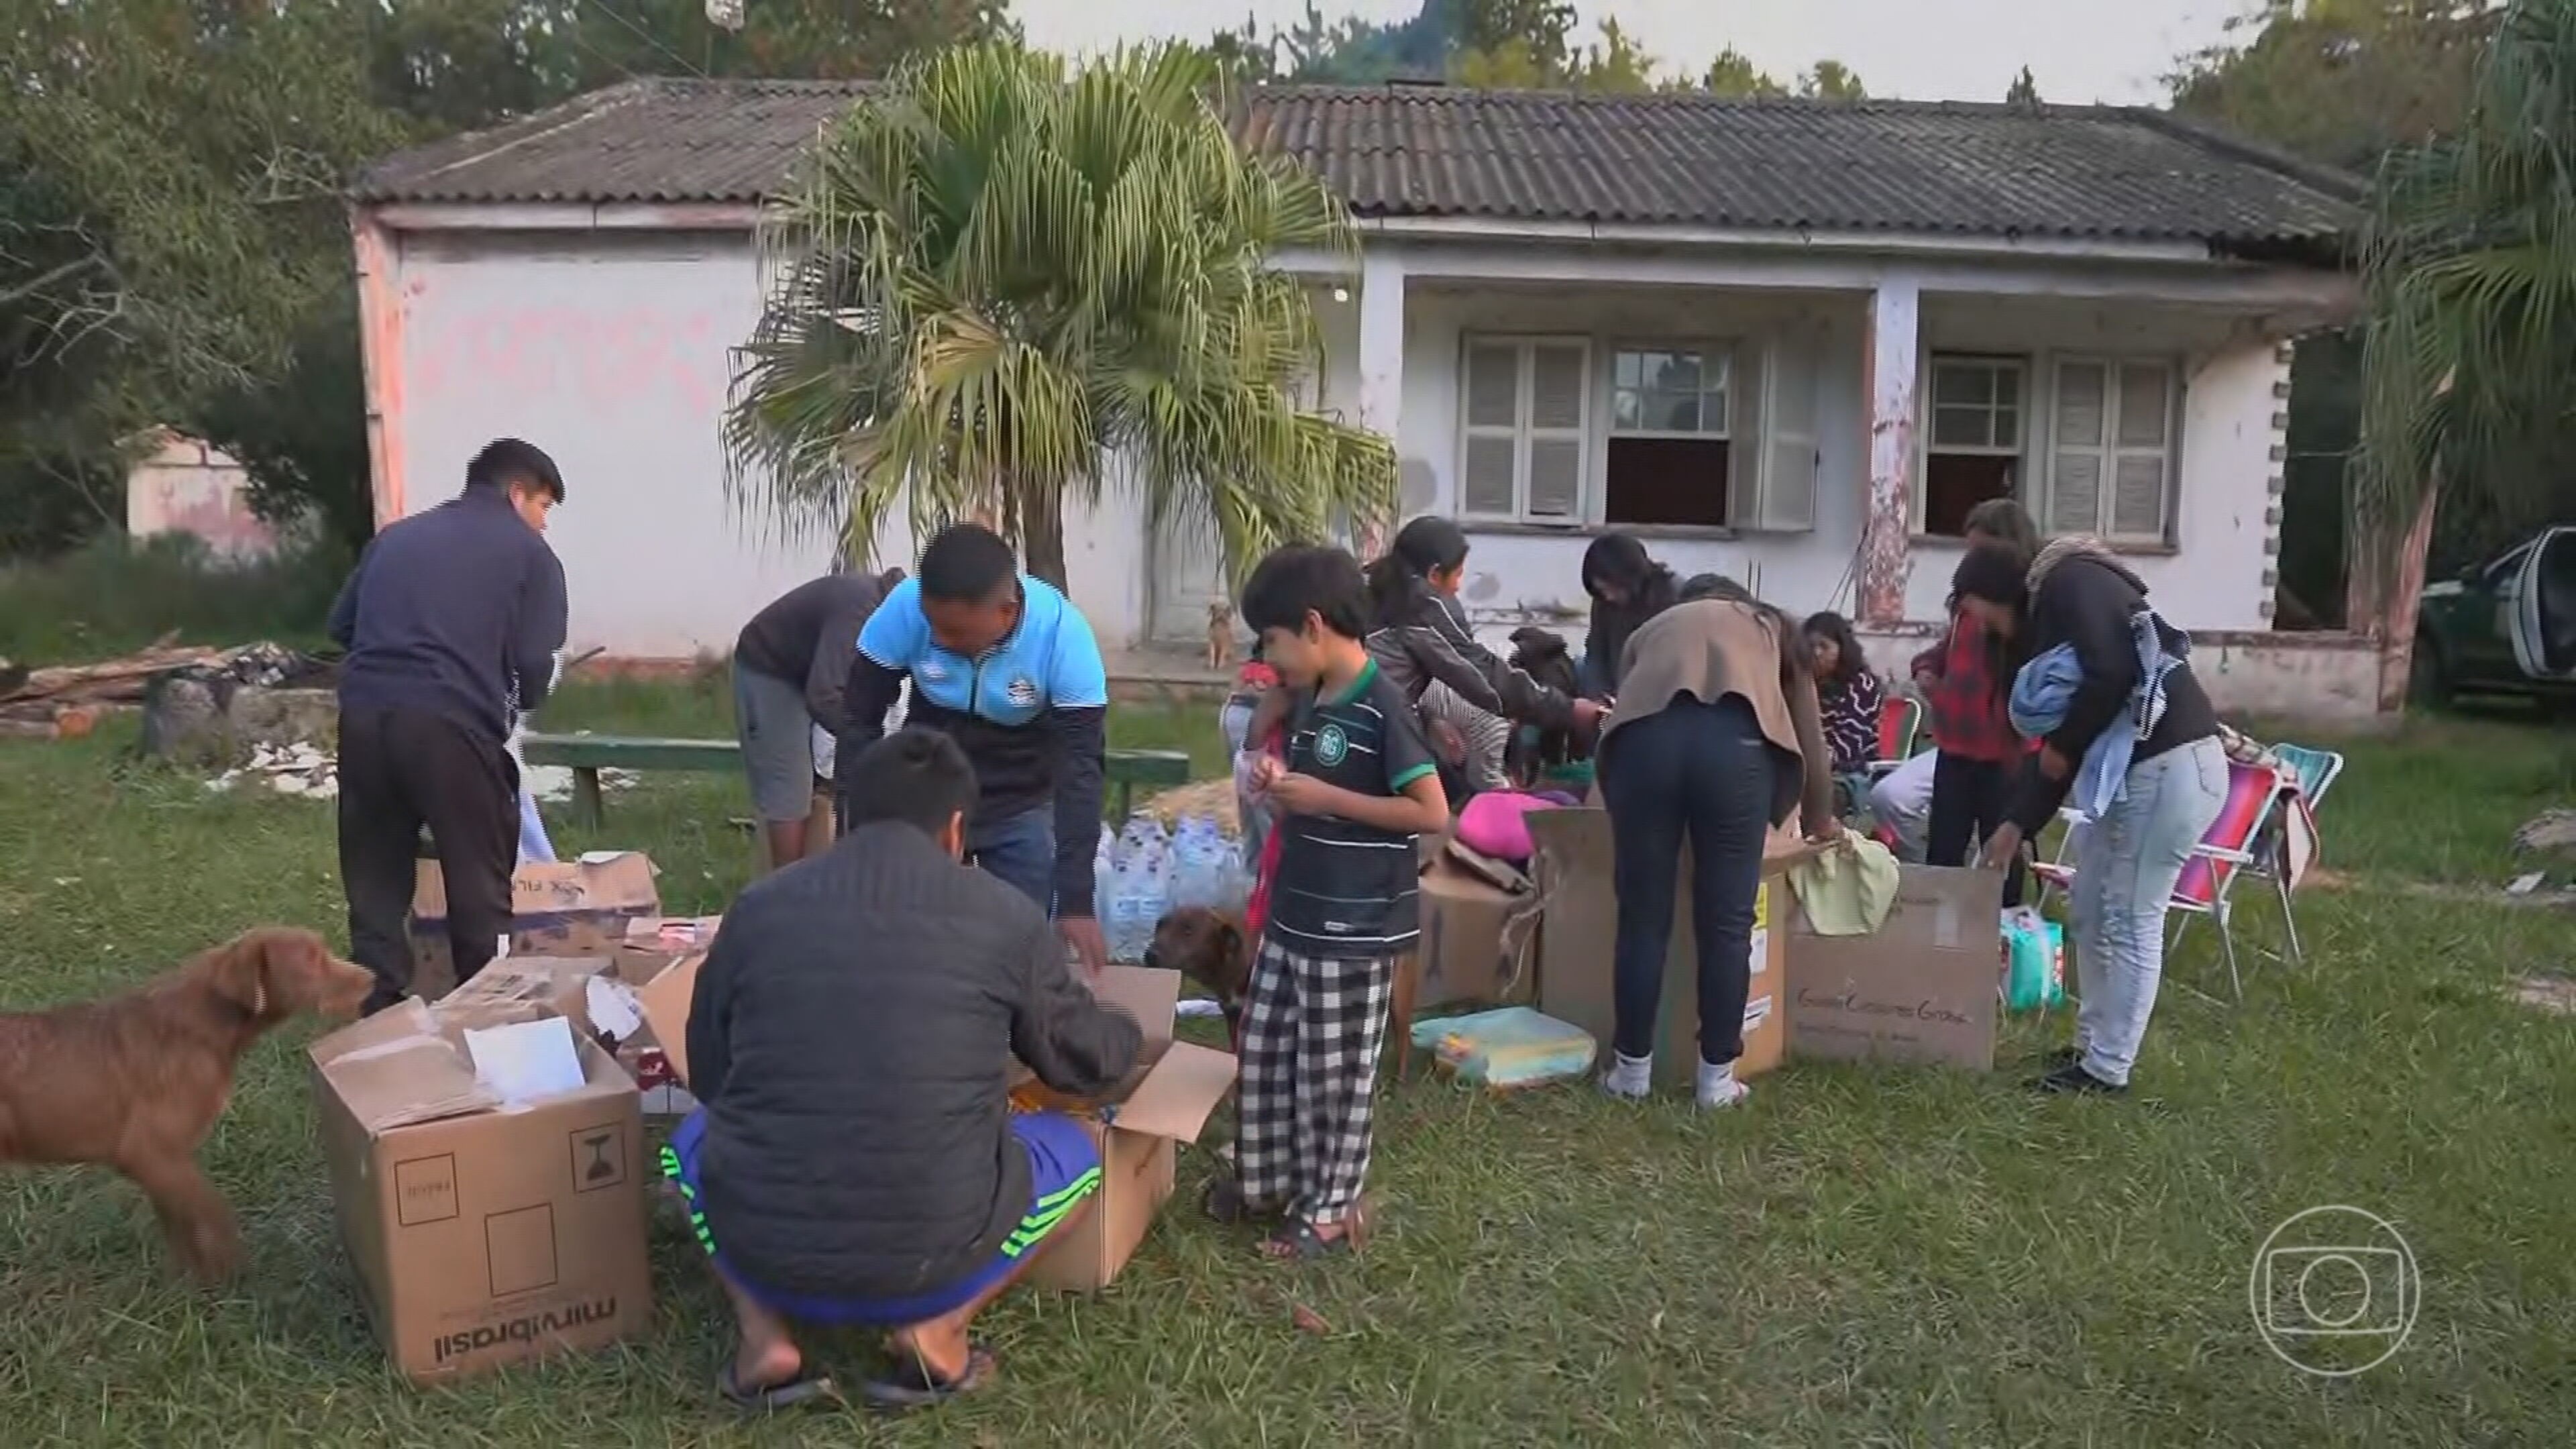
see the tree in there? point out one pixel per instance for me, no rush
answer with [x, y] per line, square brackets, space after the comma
[1831, 80]
[1734, 76]
[1001, 286]
[2469, 264]
[2340, 81]
[2024, 91]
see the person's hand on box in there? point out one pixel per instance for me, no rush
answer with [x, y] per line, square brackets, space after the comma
[1090, 947]
[2001, 847]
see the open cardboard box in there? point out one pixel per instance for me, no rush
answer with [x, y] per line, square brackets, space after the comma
[578, 907]
[1919, 989]
[482, 1234]
[1137, 1126]
[1573, 870]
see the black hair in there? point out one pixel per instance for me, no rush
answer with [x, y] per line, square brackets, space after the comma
[917, 776]
[1714, 586]
[966, 563]
[1849, 663]
[1300, 579]
[505, 461]
[1993, 572]
[1397, 580]
[2005, 521]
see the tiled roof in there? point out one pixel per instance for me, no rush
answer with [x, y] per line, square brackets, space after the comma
[1419, 151]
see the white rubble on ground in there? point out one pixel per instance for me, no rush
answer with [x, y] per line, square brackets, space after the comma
[306, 770]
[292, 769]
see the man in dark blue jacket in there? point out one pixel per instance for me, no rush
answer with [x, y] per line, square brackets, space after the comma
[452, 621]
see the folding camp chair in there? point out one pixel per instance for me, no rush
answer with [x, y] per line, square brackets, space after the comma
[1900, 721]
[2310, 773]
[2209, 876]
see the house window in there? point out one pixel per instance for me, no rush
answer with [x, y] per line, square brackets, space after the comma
[1524, 419]
[2111, 449]
[1972, 448]
[1669, 436]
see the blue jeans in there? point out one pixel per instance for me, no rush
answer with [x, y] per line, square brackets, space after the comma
[1702, 772]
[1020, 849]
[2126, 864]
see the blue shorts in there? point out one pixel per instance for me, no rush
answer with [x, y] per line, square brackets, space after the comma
[1064, 1169]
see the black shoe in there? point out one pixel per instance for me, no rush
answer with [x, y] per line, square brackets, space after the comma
[2062, 1058]
[2072, 1079]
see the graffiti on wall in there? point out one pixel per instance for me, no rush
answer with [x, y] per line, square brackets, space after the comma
[595, 359]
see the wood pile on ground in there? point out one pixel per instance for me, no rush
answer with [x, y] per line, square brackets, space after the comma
[67, 701]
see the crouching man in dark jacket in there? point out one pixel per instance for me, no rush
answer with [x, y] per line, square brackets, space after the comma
[855, 1160]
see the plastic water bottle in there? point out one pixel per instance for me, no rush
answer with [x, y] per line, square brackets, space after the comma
[1198, 866]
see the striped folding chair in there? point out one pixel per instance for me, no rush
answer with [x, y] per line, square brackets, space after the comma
[2208, 878]
[2309, 773]
[1900, 722]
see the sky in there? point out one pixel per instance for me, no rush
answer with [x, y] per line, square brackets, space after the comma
[2109, 51]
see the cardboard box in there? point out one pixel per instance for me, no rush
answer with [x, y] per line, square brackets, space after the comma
[1479, 942]
[1922, 989]
[481, 1236]
[575, 908]
[1573, 870]
[1137, 1126]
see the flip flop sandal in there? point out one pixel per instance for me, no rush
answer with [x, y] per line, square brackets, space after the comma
[1298, 1242]
[795, 1393]
[913, 1386]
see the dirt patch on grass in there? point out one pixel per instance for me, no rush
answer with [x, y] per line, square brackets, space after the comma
[2541, 992]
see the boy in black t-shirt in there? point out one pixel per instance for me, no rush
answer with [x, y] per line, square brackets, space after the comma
[1358, 785]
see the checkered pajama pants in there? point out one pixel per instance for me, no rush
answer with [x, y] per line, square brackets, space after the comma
[1312, 1031]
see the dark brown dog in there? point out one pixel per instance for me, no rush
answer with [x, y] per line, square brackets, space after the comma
[136, 1082]
[1211, 948]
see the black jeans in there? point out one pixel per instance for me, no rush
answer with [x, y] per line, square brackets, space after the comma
[1705, 773]
[401, 769]
[1969, 798]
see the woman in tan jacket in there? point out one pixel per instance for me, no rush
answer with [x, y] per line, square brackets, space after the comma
[1715, 739]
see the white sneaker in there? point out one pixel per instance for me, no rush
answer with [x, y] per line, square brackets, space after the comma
[1719, 1088]
[1630, 1078]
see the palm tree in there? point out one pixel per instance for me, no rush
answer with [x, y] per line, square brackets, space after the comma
[997, 287]
[2469, 265]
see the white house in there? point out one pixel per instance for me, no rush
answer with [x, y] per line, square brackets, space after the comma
[1789, 341]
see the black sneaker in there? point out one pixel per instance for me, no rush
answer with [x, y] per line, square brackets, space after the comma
[2072, 1079]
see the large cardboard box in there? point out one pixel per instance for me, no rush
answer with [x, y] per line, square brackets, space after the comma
[1921, 989]
[1479, 941]
[1573, 872]
[574, 908]
[481, 1236]
[1137, 1126]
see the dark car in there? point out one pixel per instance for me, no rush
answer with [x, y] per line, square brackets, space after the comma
[2504, 627]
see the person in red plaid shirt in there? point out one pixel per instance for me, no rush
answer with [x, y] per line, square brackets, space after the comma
[1964, 681]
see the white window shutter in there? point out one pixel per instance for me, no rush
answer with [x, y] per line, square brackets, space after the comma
[2078, 441]
[1485, 483]
[1560, 389]
[1489, 456]
[2144, 459]
[1785, 486]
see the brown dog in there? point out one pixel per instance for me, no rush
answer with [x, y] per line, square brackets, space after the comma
[1211, 948]
[1220, 634]
[137, 1081]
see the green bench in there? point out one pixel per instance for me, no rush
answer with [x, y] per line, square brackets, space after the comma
[586, 755]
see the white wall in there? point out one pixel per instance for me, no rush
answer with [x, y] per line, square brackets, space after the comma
[2213, 580]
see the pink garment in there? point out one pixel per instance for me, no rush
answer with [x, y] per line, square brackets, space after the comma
[1493, 823]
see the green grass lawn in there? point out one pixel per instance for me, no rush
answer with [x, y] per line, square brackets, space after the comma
[1863, 1257]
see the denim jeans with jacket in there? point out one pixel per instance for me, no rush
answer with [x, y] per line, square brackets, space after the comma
[2126, 864]
[1701, 772]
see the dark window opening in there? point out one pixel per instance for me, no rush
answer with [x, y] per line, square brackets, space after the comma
[1955, 483]
[1667, 481]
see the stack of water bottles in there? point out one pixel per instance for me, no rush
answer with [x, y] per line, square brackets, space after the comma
[1144, 872]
